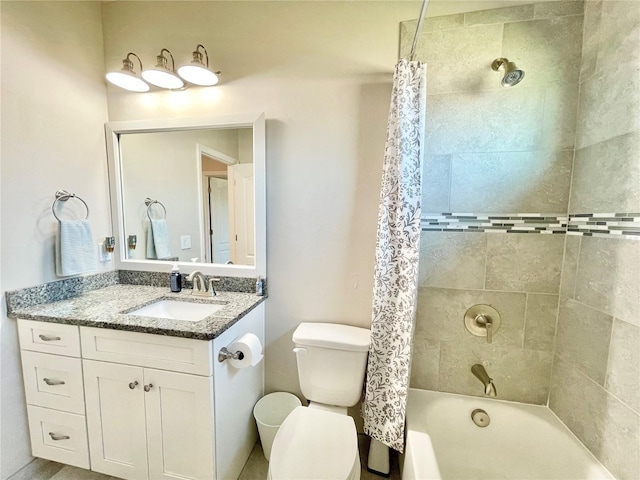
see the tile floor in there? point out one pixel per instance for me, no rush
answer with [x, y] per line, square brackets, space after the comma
[255, 468]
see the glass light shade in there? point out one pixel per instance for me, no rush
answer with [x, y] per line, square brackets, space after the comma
[198, 74]
[128, 81]
[162, 78]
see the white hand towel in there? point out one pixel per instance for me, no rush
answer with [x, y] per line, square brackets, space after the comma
[159, 237]
[75, 250]
[151, 248]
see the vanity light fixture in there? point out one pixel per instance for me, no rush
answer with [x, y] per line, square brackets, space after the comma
[198, 72]
[127, 77]
[161, 76]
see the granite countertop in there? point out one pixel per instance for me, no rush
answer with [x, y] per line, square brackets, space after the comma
[107, 308]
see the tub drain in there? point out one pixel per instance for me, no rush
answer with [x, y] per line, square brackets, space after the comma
[480, 417]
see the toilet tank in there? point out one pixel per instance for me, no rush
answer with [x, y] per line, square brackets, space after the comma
[332, 362]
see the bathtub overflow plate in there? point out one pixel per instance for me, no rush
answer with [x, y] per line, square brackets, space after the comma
[480, 418]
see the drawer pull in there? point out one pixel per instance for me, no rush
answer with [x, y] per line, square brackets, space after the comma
[148, 387]
[133, 385]
[58, 437]
[48, 381]
[49, 338]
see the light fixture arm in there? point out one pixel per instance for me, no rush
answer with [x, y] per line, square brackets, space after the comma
[162, 60]
[128, 64]
[198, 56]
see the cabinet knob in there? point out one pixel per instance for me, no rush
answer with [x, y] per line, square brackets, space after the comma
[49, 338]
[148, 387]
[133, 385]
[57, 437]
[49, 381]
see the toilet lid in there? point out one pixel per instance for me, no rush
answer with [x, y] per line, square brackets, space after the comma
[315, 444]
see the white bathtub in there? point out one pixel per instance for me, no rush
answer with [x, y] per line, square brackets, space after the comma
[521, 442]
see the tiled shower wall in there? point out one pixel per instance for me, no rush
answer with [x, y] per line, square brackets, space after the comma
[595, 387]
[493, 150]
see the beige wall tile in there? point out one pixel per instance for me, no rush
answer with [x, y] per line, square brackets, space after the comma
[519, 375]
[606, 176]
[560, 115]
[459, 59]
[511, 182]
[524, 263]
[425, 364]
[592, 12]
[499, 15]
[608, 277]
[443, 22]
[623, 369]
[607, 427]
[583, 338]
[436, 181]
[503, 120]
[570, 265]
[452, 259]
[558, 9]
[619, 36]
[540, 322]
[548, 50]
[440, 315]
[608, 105]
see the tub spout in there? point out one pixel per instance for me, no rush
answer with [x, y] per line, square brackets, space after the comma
[482, 375]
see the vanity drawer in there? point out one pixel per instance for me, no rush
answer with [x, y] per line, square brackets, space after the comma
[53, 381]
[48, 337]
[58, 436]
[177, 354]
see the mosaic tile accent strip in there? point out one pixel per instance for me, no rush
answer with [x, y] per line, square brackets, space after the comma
[542, 223]
[625, 225]
[604, 224]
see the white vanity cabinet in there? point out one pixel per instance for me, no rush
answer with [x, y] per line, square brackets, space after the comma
[52, 372]
[140, 416]
[141, 406]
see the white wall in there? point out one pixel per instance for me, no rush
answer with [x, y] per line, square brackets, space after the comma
[53, 111]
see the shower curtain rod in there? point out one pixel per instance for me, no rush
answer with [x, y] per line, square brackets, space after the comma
[423, 11]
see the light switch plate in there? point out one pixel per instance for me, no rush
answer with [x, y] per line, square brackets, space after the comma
[185, 242]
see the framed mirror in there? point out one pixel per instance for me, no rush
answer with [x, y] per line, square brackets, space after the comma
[189, 191]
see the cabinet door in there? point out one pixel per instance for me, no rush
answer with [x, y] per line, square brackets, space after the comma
[180, 430]
[115, 419]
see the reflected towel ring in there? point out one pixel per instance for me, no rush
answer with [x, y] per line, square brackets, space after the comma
[149, 203]
[63, 196]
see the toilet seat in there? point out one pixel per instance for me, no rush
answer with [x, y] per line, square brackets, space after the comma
[315, 444]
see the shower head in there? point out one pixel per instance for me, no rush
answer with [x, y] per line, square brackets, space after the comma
[512, 74]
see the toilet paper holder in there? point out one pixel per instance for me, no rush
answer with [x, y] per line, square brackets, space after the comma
[225, 354]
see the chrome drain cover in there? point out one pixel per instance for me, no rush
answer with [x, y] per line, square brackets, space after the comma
[480, 418]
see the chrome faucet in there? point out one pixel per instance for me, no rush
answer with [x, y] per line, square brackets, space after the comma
[200, 286]
[481, 374]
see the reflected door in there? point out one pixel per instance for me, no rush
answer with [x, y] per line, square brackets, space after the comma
[219, 220]
[242, 216]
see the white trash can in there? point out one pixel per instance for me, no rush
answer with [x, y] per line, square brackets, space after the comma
[270, 412]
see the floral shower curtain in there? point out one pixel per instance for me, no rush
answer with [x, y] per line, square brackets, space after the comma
[397, 252]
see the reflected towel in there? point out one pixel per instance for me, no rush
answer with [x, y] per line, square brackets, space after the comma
[158, 239]
[75, 250]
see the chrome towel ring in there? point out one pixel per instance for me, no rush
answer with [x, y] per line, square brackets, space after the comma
[63, 196]
[149, 203]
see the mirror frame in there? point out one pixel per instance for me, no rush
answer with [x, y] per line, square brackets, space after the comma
[113, 130]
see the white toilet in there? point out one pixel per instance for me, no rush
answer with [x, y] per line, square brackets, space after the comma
[320, 441]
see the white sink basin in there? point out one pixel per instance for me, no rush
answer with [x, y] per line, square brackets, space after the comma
[177, 310]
